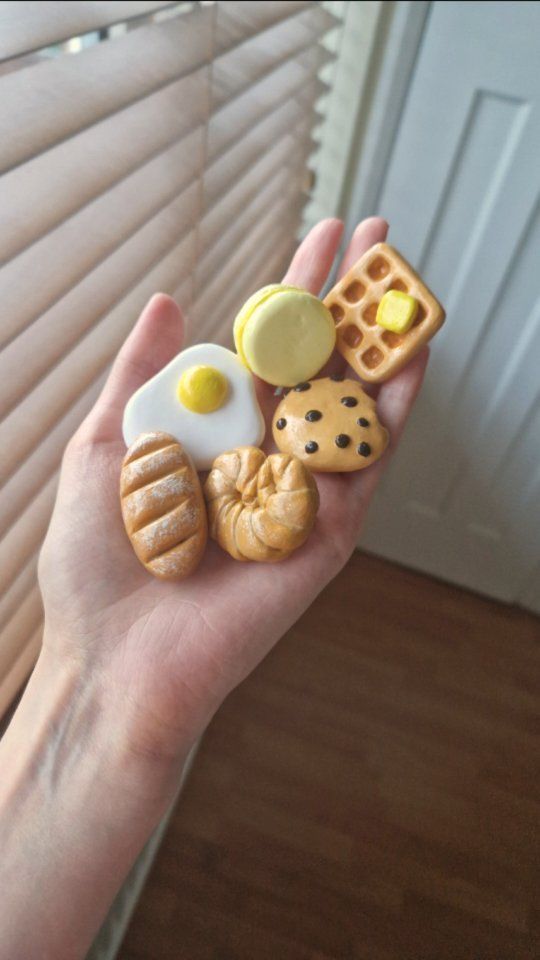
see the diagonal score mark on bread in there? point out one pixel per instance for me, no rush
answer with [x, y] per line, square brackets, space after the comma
[167, 531]
[154, 499]
[148, 467]
[180, 553]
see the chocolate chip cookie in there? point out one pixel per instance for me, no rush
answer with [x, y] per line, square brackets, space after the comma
[330, 424]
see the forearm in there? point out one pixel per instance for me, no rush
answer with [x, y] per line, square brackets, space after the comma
[76, 807]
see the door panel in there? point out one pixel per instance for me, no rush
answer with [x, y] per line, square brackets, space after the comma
[462, 500]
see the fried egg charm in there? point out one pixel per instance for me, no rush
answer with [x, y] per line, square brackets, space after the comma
[205, 398]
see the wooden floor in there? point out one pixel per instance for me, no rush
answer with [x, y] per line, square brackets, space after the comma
[371, 792]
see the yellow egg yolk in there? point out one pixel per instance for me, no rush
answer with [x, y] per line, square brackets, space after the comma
[202, 389]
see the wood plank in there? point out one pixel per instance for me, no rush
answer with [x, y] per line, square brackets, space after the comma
[369, 793]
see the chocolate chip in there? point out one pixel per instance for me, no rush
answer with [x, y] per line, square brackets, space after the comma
[362, 422]
[281, 423]
[337, 377]
[342, 440]
[313, 415]
[311, 446]
[349, 401]
[364, 449]
[300, 387]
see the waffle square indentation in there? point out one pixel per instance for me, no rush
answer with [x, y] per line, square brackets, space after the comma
[372, 358]
[337, 312]
[420, 315]
[354, 292]
[352, 335]
[370, 314]
[379, 268]
[392, 339]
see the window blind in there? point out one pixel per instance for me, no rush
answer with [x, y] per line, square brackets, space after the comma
[146, 146]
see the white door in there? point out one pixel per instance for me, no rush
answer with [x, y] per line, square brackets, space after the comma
[462, 499]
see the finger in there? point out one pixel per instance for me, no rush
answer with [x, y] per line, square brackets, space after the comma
[367, 233]
[155, 339]
[394, 404]
[309, 269]
[397, 396]
[313, 260]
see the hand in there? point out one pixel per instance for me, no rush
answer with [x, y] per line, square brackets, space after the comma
[168, 653]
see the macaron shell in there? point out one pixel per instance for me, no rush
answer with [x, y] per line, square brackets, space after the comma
[254, 301]
[288, 337]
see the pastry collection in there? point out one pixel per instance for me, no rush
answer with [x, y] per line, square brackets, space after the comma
[201, 413]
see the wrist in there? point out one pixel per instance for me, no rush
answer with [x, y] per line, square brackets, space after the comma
[76, 807]
[69, 722]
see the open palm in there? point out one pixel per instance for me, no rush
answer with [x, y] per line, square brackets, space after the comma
[170, 652]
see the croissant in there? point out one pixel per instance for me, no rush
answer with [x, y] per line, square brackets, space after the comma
[259, 507]
[163, 506]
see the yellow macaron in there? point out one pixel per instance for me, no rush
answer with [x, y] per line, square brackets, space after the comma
[284, 335]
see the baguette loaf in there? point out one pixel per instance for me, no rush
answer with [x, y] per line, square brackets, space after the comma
[163, 506]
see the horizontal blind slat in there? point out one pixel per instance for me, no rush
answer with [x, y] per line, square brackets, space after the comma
[25, 536]
[37, 23]
[42, 407]
[183, 295]
[229, 298]
[242, 66]
[58, 261]
[33, 196]
[20, 587]
[43, 342]
[268, 267]
[220, 214]
[263, 135]
[23, 624]
[208, 301]
[12, 681]
[257, 206]
[252, 274]
[238, 19]
[25, 483]
[52, 100]
[293, 77]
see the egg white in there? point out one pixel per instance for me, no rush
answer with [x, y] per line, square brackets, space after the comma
[155, 406]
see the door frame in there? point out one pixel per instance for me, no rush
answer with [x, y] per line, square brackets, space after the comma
[394, 49]
[375, 51]
[397, 42]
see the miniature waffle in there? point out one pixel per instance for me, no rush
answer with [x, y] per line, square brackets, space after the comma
[373, 352]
